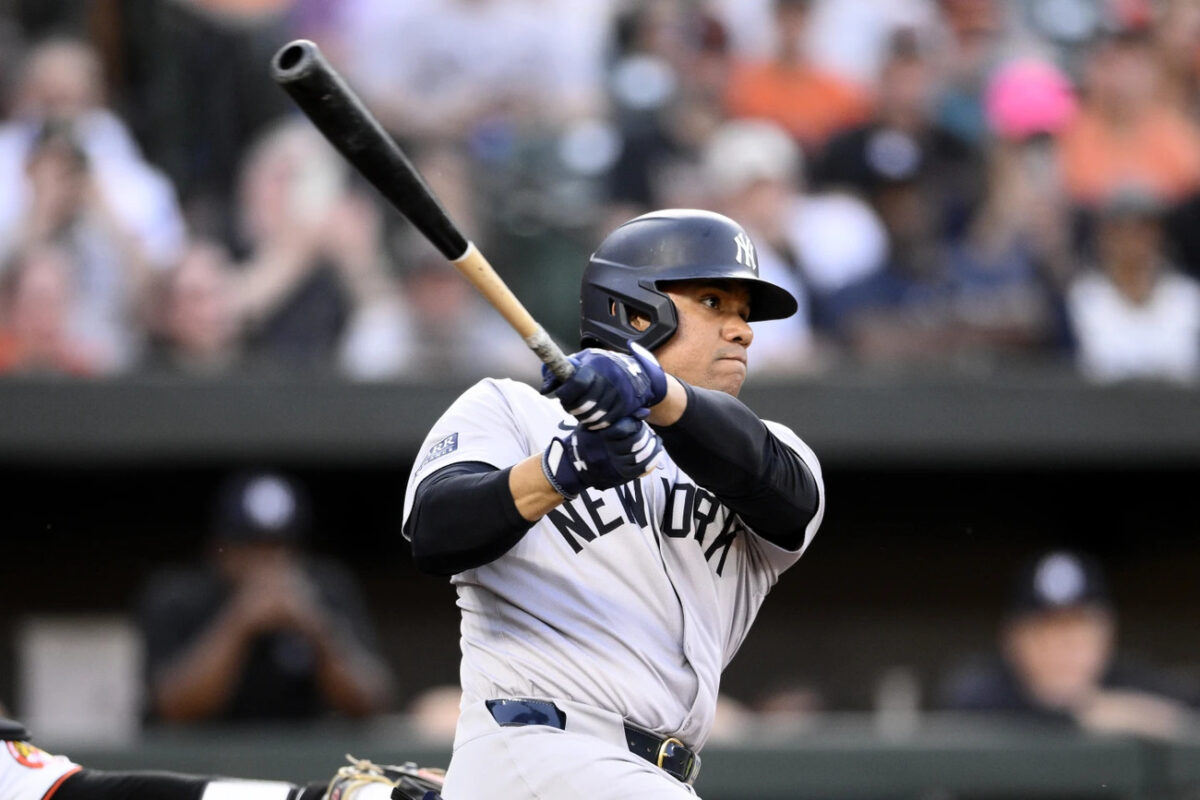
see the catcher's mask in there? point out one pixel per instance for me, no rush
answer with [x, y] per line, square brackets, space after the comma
[631, 266]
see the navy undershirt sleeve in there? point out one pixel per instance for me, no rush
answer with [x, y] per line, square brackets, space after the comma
[463, 516]
[723, 446]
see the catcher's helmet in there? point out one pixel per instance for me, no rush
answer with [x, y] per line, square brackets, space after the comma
[629, 268]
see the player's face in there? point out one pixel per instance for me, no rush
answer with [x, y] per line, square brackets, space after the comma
[709, 347]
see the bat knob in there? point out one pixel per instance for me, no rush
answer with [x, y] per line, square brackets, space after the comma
[295, 60]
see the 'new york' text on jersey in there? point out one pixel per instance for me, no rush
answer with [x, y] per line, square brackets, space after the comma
[633, 599]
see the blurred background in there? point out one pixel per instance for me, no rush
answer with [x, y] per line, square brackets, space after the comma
[219, 352]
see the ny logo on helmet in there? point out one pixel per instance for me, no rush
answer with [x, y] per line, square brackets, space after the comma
[745, 250]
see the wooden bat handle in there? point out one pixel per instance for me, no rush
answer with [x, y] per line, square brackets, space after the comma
[476, 269]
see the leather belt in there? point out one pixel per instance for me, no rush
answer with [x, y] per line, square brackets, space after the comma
[667, 753]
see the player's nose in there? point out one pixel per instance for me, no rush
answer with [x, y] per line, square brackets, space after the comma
[738, 330]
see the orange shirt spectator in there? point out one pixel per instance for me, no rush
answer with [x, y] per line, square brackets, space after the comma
[1160, 150]
[811, 103]
[1127, 134]
[790, 90]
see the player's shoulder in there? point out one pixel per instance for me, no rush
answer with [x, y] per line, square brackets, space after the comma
[783, 432]
[501, 387]
[792, 440]
[511, 386]
[494, 400]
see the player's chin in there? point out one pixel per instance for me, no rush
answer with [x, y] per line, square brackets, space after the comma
[728, 376]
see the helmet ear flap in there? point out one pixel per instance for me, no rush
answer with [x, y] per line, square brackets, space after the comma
[609, 311]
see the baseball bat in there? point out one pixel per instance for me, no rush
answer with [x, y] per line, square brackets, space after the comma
[333, 107]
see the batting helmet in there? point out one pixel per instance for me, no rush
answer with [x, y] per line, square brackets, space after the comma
[630, 267]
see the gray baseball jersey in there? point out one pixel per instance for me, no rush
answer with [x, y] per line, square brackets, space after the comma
[631, 599]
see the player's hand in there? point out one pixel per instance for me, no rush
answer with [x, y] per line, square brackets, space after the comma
[608, 386]
[601, 459]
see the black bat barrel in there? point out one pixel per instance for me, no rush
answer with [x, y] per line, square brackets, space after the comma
[325, 98]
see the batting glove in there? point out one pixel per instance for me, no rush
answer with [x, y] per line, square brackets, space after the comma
[608, 386]
[601, 459]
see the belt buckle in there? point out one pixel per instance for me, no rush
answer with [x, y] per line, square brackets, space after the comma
[690, 770]
[662, 749]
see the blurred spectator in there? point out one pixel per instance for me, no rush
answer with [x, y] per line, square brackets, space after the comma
[431, 322]
[314, 250]
[36, 298]
[812, 244]
[971, 45]
[789, 705]
[1135, 315]
[449, 331]
[1177, 45]
[61, 81]
[1018, 248]
[902, 139]
[110, 271]
[1125, 131]
[518, 72]
[197, 318]
[199, 92]
[263, 630]
[666, 78]
[810, 102]
[1058, 659]
[732, 720]
[979, 251]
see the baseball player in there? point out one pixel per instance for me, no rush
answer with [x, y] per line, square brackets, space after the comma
[29, 773]
[612, 537]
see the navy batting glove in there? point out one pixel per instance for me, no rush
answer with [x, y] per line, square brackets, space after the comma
[608, 386]
[601, 459]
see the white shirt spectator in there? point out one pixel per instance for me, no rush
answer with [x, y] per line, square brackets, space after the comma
[142, 196]
[1117, 339]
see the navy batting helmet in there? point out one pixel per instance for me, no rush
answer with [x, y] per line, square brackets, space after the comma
[627, 273]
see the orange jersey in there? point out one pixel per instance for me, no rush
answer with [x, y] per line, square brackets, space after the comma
[811, 103]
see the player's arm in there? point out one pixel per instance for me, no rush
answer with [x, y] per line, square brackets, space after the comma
[470, 513]
[465, 515]
[727, 449]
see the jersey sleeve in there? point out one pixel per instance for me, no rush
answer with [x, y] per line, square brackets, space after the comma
[771, 556]
[479, 426]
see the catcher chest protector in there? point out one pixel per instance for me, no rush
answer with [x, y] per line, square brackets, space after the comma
[629, 268]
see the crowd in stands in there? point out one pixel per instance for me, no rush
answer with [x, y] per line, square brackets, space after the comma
[948, 184]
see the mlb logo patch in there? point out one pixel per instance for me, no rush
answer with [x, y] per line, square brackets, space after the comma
[447, 444]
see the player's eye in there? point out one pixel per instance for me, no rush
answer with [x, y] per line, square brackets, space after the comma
[710, 301]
